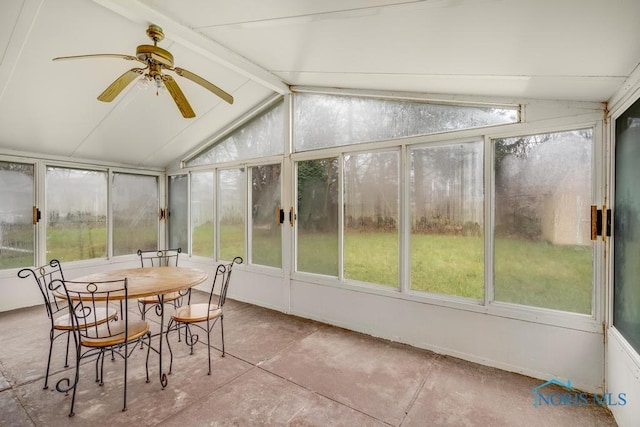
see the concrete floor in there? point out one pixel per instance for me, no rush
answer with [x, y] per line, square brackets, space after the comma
[279, 370]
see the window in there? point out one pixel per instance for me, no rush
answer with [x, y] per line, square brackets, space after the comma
[135, 213]
[266, 245]
[371, 200]
[17, 238]
[262, 136]
[178, 223]
[317, 225]
[231, 213]
[322, 121]
[202, 233]
[446, 243]
[626, 279]
[543, 253]
[76, 201]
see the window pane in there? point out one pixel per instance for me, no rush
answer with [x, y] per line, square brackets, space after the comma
[542, 220]
[202, 242]
[178, 221]
[332, 120]
[262, 136]
[76, 203]
[371, 197]
[626, 279]
[265, 231]
[16, 227]
[231, 213]
[447, 255]
[135, 213]
[318, 216]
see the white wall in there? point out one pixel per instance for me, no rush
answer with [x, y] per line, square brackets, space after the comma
[623, 376]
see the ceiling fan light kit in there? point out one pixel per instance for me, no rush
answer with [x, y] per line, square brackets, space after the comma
[156, 61]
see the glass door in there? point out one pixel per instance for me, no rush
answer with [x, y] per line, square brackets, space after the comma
[626, 279]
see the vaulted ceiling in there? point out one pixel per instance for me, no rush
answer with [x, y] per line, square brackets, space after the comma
[581, 50]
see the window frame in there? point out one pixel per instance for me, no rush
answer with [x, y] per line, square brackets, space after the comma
[587, 322]
[41, 163]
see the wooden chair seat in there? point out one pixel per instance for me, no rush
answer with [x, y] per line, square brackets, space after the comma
[102, 315]
[196, 313]
[136, 329]
[153, 299]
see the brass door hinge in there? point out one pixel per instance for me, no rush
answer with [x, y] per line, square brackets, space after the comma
[279, 215]
[600, 224]
[36, 216]
[292, 216]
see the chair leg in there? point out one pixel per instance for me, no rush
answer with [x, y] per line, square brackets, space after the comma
[209, 346]
[148, 350]
[126, 359]
[46, 376]
[75, 383]
[103, 354]
[222, 331]
[75, 388]
[190, 342]
[66, 356]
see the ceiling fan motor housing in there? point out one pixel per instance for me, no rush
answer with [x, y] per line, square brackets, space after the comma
[147, 52]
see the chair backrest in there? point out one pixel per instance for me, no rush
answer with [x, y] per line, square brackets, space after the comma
[43, 277]
[89, 301]
[223, 275]
[159, 258]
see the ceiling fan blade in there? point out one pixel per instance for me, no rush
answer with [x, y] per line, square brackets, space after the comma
[119, 84]
[178, 97]
[99, 55]
[204, 83]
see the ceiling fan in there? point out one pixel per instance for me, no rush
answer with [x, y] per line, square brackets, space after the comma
[156, 61]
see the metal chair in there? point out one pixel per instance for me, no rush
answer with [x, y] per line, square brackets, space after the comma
[160, 258]
[85, 301]
[209, 313]
[57, 308]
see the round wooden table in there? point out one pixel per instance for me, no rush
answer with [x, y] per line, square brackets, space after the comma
[144, 282]
[148, 281]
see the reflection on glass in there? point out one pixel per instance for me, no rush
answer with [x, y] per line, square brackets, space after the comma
[265, 231]
[202, 237]
[321, 121]
[446, 246]
[76, 203]
[626, 282]
[231, 213]
[262, 136]
[16, 228]
[178, 221]
[135, 213]
[371, 198]
[543, 254]
[318, 216]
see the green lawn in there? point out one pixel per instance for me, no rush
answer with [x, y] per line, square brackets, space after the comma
[526, 272]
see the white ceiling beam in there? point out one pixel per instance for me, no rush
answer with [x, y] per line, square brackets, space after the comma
[210, 49]
[18, 38]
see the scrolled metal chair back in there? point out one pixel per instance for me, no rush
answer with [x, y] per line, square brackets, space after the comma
[159, 258]
[223, 276]
[44, 276]
[87, 299]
